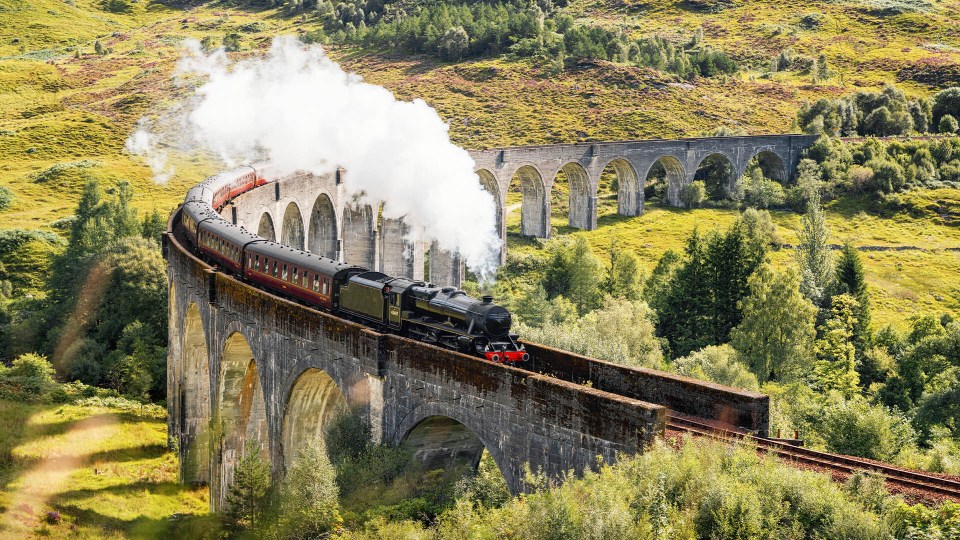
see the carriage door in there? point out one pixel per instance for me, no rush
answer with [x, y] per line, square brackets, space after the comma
[394, 308]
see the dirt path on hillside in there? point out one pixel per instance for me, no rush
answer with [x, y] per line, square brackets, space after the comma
[28, 505]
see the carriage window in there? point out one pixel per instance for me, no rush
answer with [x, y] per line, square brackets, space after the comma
[284, 276]
[325, 285]
[256, 264]
[274, 268]
[316, 282]
[296, 276]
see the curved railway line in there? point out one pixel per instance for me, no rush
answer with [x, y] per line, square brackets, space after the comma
[913, 484]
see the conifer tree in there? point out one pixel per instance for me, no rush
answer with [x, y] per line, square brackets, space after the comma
[684, 313]
[813, 253]
[246, 497]
[851, 279]
[731, 259]
[574, 273]
[308, 502]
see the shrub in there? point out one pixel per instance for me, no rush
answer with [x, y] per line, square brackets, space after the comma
[692, 194]
[888, 176]
[622, 332]
[30, 379]
[6, 198]
[857, 428]
[812, 21]
[703, 490]
[860, 178]
[117, 6]
[948, 124]
[946, 102]
[761, 192]
[307, 502]
[347, 436]
[718, 364]
[231, 42]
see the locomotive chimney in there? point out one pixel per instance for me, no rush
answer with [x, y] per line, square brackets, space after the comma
[487, 299]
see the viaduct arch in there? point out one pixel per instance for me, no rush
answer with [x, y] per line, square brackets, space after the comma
[247, 369]
[532, 171]
[280, 370]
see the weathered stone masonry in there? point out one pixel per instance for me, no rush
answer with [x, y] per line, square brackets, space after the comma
[249, 368]
[260, 357]
[536, 169]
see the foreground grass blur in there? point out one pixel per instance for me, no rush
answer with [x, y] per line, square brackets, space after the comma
[96, 469]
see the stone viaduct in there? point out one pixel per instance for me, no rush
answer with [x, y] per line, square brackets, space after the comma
[537, 169]
[316, 214]
[246, 366]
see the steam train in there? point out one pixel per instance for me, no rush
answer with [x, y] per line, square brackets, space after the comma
[443, 316]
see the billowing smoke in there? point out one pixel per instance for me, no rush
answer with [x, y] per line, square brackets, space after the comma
[298, 109]
[144, 142]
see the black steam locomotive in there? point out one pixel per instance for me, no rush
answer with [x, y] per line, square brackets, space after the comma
[444, 316]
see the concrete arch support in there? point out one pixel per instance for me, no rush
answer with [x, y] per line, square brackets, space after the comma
[676, 178]
[492, 186]
[440, 442]
[242, 412]
[583, 200]
[313, 402]
[322, 234]
[446, 269]
[195, 401]
[291, 230]
[719, 173]
[629, 188]
[535, 206]
[359, 236]
[265, 228]
[398, 256]
[445, 439]
[772, 165]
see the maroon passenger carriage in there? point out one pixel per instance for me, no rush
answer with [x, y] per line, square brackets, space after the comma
[443, 316]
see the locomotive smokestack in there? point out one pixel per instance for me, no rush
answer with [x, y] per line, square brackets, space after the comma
[487, 299]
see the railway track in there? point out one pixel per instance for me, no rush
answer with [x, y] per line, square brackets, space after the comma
[914, 483]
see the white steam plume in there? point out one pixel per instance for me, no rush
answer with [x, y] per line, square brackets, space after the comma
[298, 109]
[143, 142]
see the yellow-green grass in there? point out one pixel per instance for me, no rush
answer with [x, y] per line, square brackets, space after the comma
[863, 46]
[105, 470]
[56, 108]
[903, 284]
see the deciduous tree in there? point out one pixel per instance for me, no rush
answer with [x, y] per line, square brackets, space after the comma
[776, 334]
[835, 369]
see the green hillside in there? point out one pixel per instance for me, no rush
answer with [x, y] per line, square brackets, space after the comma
[77, 75]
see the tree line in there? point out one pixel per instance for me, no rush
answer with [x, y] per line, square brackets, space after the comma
[98, 305]
[719, 310]
[881, 114]
[454, 30]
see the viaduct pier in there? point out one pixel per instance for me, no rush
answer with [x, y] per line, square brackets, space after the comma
[246, 366]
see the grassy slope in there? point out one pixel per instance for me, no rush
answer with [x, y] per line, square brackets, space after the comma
[105, 470]
[56, 108]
